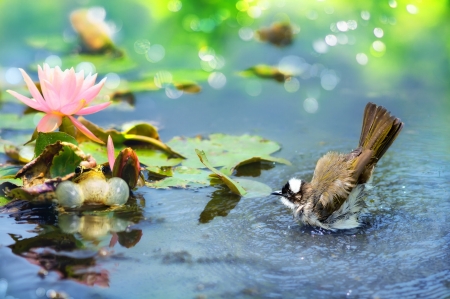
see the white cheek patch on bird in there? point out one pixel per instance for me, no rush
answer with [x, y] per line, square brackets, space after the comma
[295, 184]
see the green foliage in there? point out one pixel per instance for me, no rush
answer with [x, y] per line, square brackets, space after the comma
[45, 139]
[226, 150]
[234, 187]
[64, 162]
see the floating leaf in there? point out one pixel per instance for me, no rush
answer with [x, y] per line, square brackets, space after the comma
[45, 139]
[94, 33]
[22, 154]
[226, 150]
[279, 34]
[266, 72]
[53, 43]
[183, 177]
[235, 187]
[159, 172]
[16, 122]
[254, 189]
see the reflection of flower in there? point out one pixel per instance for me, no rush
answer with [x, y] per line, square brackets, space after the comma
[63, 94]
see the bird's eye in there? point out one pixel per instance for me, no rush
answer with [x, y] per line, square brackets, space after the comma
[79, 170]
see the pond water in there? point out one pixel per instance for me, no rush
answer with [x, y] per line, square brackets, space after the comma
[210, 243]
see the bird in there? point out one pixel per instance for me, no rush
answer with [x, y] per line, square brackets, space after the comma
[334, 198]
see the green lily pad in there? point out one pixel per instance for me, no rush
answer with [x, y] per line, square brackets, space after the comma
[226, 150]
[104, 64]
[254, 189]
[44, 139]
[17, 122]
[234, 187]
[183, 177]
[22, 154]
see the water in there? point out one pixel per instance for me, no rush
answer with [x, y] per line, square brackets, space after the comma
[245, 248]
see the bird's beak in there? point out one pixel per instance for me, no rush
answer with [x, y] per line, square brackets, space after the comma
[278, 193]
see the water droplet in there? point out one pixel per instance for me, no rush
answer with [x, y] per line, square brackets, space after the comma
[378, 32]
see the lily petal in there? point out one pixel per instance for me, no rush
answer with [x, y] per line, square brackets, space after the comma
[67, 88]
[93, 109]
[49, 123]
[27, 101]
[84, 130]
[73, 108]
[34, 90]
[90, 93]
[110, 149]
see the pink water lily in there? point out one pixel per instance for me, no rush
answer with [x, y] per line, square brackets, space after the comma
[64, 93]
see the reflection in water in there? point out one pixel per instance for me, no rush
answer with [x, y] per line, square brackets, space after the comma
[253, 169]
[72, 249]
[222, 202]
[56, 251]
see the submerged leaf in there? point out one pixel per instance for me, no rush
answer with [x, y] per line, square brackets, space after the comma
[235, 187]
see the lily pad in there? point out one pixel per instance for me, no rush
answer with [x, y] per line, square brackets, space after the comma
[183, 177]
[266, 72]
[22, 154]
[234, 187]
[17, 122]
[226, 150]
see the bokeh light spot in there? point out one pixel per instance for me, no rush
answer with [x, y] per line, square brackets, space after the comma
[320, 46]
[246, 33]
[13, 76]
[53, 60]
[113, 81]
[86, 66]
[362, 58]
[162, 79]
[393, 3]
[365, 15]
[242, 5]
[217, 80]
[329, 80]
[141, 46]
[378, 48]
[331, 40]
[310, 105]
[412, 9]
[292, 85]
[174, 5]
[342, 26]
[342, 39]
[172, 92]
[254, 12]
[292, 65]
[312, 15]
[378, 32]
[155, 53]
[206, 53]
[253, 87]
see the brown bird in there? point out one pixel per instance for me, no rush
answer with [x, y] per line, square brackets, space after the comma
[333, 198]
